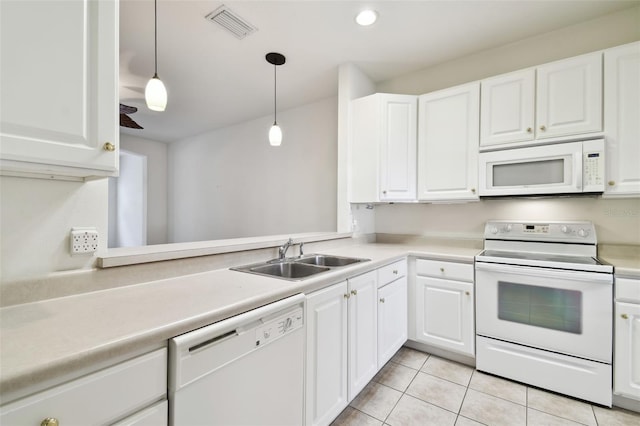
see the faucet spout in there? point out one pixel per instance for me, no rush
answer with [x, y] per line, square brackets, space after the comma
[282, 251]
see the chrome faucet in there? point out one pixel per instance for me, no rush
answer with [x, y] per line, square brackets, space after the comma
[282, 251]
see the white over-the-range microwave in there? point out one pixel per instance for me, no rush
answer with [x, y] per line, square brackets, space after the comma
[561, 168]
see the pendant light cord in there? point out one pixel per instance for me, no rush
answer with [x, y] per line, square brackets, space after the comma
[275, 93]
[155, 37]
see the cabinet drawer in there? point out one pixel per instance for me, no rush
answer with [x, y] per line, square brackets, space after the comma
[445, 270]
[627, 290]
[98, 398]
[156, 415]
[391, 272]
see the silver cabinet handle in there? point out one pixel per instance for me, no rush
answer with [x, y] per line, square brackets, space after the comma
[382, 300]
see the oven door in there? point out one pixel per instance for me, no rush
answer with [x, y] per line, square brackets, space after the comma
[569, 312]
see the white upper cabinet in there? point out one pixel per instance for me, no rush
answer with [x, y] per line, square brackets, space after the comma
[569, 96]
[59, 72]
[448, 144]
[383, 148]
[508, 108]
[622, 119]
[555, 100]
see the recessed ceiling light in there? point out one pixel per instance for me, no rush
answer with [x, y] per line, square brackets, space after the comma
[366, 17]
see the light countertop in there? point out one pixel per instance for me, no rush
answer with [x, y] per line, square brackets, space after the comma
[49, 341]
[625, 259]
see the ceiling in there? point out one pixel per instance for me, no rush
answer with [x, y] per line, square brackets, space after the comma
[215, 80]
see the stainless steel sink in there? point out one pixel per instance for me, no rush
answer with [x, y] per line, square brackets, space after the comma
[290, 270]
[295, 269]
[326, 260]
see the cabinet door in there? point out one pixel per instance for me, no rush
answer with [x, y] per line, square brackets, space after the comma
[448, 144]
[326, 370]
[382, 160]
[627, 350]
[59, 77]
[398, 147]
[392, 319]
[445, 314]
[363, 331]
[507, 109]
[621, 123]
[569, 96]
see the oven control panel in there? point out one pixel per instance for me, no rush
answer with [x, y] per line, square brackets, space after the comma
[561, 231]
[536, 229]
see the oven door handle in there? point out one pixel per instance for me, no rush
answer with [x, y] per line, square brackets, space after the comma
[594, 277]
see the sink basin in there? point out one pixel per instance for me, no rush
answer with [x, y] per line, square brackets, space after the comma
[325, 260]
[295, 269]
[287, 270]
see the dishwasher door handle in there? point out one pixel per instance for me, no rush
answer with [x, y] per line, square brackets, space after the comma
[213, 341]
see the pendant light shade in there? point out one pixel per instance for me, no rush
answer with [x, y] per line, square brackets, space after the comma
[155, 93]
[275, 133]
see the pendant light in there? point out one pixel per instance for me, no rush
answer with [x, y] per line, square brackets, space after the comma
[155, 93]
[275, 133]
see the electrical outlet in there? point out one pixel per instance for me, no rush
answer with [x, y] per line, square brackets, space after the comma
[83, 240]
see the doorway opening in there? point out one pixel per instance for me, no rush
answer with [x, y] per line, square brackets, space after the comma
[128, 202]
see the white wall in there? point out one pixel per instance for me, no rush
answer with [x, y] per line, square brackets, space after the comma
[36, 217]
[607, 31]
[231, 183]
[157, 183]
[617, 221]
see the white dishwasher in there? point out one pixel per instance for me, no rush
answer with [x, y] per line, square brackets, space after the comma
[245, 370]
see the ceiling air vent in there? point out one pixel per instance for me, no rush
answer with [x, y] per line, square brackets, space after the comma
[226, 18]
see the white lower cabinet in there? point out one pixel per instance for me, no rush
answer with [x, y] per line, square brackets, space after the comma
[133, 392]
[392, 310]
[445, 305]
[363, 331]
[626, 363]
[156, 415]
[326, 370]
[348, 328]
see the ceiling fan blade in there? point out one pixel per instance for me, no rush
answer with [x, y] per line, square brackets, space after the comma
[126, 121]
[126, 109]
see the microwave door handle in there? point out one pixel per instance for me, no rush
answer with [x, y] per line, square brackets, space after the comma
[577, 170]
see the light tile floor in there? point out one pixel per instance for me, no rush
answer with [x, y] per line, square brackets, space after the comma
[415, 388]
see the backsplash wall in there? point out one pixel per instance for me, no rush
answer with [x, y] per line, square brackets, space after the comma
[617, 220]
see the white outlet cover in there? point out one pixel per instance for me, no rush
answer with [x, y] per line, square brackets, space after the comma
[83, 241]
